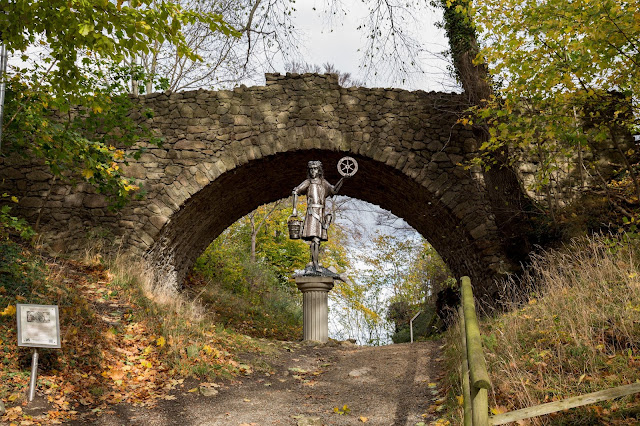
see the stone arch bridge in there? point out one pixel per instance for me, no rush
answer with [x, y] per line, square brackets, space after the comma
[227, 152]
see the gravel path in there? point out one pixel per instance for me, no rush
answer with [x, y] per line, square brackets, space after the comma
[304, 385]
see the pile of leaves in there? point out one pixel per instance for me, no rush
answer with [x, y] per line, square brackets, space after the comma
[114, 348]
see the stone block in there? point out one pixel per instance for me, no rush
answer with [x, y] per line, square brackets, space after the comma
[173, 170]
[134, 170]
[94, 201]
[74, 200]
[435, 146]
[189, 144]
[39, 175]
[201, 178]
[31, 202]
[440, 157]
[479, 231]
[158, 221]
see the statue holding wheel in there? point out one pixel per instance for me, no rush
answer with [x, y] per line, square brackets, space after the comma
[317, 189]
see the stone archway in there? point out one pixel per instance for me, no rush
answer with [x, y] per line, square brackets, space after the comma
[227, 152]
[207, 213]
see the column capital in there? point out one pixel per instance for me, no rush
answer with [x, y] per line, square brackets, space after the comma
[314, 283]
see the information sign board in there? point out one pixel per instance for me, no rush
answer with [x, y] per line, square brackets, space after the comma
[38, 326]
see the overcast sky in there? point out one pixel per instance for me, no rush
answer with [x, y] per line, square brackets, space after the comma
[340, 43]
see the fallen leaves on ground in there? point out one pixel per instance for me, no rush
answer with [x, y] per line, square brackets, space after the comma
[109, 354]
[345, 410]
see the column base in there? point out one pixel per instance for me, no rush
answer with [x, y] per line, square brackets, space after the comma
[315, 309]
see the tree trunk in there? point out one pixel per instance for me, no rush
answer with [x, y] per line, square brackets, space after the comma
[253, 247]
[254, 235]
[509, 203]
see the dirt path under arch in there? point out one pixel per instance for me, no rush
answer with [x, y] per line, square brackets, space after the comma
[299, 384]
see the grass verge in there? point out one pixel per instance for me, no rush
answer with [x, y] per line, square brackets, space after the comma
[571, 328]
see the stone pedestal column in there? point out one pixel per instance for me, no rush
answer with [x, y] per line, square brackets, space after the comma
[314, 307]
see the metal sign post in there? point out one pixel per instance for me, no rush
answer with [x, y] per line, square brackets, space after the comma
[411, 325]
[34, 375]
[38, 327]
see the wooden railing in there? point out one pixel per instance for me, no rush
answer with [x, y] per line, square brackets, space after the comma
[475, 379]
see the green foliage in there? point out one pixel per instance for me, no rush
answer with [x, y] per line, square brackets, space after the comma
[422, 326]
[459, 28]
[227, 259]
[78, 142]
[569, 79]
[255, 297]
[70, 107]
[276, 314]
[18, 272]
[10, 223]
[411, 270]
[398, 279]
[273, 245]
[109, 30]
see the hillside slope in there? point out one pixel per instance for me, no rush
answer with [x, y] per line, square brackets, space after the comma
[572, 328]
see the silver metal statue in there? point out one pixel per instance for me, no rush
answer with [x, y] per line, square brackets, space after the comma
[316, 221]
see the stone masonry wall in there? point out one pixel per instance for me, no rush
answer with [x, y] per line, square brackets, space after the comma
[227, 152]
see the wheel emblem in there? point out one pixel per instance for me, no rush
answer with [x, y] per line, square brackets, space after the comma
[347, 166]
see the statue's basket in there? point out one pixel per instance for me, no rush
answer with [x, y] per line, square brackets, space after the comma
[295, 225]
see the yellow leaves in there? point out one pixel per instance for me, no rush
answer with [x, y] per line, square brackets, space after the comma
[160, 342]
[460, 399]
[144, 25]
[87, 173]
[118, 154]
[465, 121]
[129, 187]
[582, 377]
[498, 410]
[345, 410]
[145, 363]
[8, 311]
[363, 419]
[13, 413]
[209, 350]
[14, 198]
[14, 396]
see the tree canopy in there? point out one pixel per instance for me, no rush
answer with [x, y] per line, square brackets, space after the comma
[67, 101]
[567, 81]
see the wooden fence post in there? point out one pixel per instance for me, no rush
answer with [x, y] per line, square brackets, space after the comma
[479, 378]
[466, 391]
[475, 379]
